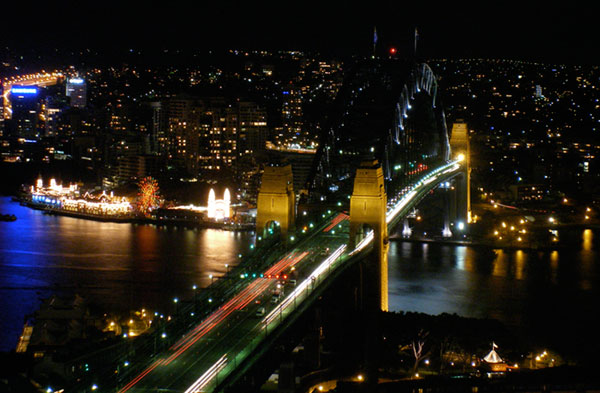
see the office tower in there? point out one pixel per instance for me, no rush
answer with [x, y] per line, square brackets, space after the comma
[77, 91]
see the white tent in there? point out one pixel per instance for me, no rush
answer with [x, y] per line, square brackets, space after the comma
[493, 357]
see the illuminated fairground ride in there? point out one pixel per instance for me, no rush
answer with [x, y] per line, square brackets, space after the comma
[148, 196]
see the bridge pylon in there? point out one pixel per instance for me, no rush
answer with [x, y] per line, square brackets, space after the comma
[276, 199]
[461, 201]
[368, 205]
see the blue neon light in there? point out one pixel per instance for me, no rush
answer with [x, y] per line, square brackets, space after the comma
[24, 90]
[76, 81]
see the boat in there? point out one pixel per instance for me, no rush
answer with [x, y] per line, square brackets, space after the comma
[8, 217]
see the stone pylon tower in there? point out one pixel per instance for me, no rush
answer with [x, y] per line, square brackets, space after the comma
[368, 205]
[276, 199]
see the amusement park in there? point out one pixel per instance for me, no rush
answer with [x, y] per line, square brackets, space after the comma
[146, 205]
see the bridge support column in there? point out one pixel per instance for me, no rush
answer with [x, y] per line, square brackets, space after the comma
[406, 230]
[368, 206]
[461, 202]
[276, 199]
[449, 211]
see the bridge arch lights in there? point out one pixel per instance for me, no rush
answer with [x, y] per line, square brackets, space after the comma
[422, 79]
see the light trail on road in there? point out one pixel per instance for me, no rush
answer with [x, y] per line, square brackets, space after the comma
[238, 302]
[207, 376]
[339, 218]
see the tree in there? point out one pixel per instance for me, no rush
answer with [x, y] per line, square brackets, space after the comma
[417, 347]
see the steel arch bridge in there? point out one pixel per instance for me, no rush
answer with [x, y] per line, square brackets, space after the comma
[389, 111]
[387, 114]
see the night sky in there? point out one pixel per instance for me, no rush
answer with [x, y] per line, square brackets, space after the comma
[518, 30]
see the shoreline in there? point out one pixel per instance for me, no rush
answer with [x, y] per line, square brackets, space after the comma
[139, 220]
[488, 245]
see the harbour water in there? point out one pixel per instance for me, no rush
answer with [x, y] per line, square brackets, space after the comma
[548, 295]
[118, 266]
[545, 297]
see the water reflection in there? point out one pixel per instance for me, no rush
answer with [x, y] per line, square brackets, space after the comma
[118, 266]
[587, 257]
[588, 237]
[499, 264]
[520, 260]
[461, 253]
[554, 259]
[532, 291]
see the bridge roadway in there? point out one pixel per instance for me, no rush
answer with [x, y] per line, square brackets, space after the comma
[202, 359]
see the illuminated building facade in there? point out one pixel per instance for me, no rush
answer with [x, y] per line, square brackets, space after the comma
[291, 113]
[223, 137]
[158, 135]
[77, 91]
[26, 105]
[69, 199]
[219, 209]
[1, 111]
[252, 128]
[210, 134]
[216, 209]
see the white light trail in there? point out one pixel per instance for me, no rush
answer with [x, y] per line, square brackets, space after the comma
[321, 269]
[207, 376]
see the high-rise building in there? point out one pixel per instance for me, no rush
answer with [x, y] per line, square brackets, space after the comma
[77, 91]
[252, 134]
[51, 117]
[181, 141]
[211, 134]
[291, 113]
[223, 135]
[26, 103]
[1, 110]
[158, 132]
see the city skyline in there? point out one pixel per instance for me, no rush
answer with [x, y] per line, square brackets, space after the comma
[508, 30]
[375, 160]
